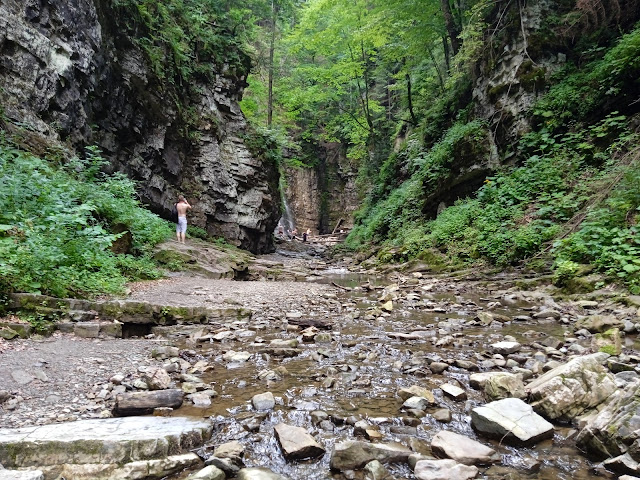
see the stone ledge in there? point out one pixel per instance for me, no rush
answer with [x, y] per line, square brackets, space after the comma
[105, 441]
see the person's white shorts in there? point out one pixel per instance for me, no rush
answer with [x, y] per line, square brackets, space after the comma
[181, 227]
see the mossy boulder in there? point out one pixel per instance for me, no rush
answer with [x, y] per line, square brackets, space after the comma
[609, 342]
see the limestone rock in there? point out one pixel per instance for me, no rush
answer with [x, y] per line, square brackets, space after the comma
[259, 474]
[504, 385]
[505, 348]
[568, 390]
[107, 441]
[231, 450]
[416, 403]
[21, 474]
[443, 470]
[600, 323]
[157, 379]
[461, 449]
[351, 455]
[613, 431]
[208, 473]
[375, 470]
[479, 380]
[451, 391]
[297, 443]
[417, 391]
[236, 357]
[165, 352]
[263, 401]
[512, 421]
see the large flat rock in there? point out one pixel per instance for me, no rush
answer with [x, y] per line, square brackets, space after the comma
[106, 441]
[511, 421]
[461, 449]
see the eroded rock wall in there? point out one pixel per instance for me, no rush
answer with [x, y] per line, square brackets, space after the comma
[322, 195]
[513, 73]
[71, 78]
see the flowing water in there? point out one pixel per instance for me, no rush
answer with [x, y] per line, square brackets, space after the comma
[357, 374]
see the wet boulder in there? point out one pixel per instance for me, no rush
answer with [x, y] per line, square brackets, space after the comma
[461, 449]
[375, 470]
[511, 421]
[259, 474]
[352, 455]
[297, 443]
[504, 385]
[570, 389]
[444, 470]
[505, 348]
[614, 430]
[263, 401]
[454, 392]
[417, 391]
[416, 403]
[209, 472]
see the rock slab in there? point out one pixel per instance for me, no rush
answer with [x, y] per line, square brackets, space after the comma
[352, 455]
[512, 421]
[613, 431]
[568, 390]
[443, 470]
[106, 441]
[21, 475]
[296, 442]
[461, 449]
[259, 474]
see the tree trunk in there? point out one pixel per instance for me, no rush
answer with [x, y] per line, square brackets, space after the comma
[450, 24]
[445, 47]
[410, 100]
[272, 47]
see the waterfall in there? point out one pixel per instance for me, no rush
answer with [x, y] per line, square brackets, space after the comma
[287, 222]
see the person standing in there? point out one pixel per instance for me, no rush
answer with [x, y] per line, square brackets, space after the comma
[181, 229]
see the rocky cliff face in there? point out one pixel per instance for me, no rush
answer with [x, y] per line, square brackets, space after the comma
[70, 77]
[321, 196]
[513, 76]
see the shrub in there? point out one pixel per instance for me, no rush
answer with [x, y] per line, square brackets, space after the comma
[55, 226]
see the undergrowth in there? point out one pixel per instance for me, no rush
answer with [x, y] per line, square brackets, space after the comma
[55, 226]
[573, 154]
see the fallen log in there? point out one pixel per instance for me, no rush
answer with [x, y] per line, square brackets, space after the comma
[142, 403]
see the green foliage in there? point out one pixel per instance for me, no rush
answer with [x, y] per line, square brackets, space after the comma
[608, 81]
[608, 238]
[184, 39]
[55, 226]
[390, 217]
[564, 270]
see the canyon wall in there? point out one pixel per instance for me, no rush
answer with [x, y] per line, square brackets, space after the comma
[70, 77]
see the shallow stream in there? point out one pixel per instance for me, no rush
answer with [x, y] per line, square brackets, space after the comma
[357, 373]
